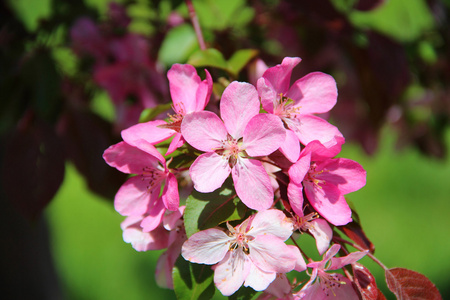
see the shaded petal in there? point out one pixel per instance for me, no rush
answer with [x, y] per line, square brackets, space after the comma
[203, 130]
[279, 288]
[258, 279]
[252, 184]
[172, 218]
[317, 291]
[170, 195]
[154, 216]
[271, 221]
[128, 159]
[291, 146]
[322, 232]
[239, 103]
[280, 75]
[314, 128]
[148, 131]
[206, 247]
[315, 93]
[184, 83]
[230, 273]
[263, 135]
[346, 174]
[209, 171]
[165, 264]
[271, 254]
[329, 203]
[298, 171]
[133, 197]
[295, 196]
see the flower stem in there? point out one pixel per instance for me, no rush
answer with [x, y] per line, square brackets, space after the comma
[341, 240]
[196, 24]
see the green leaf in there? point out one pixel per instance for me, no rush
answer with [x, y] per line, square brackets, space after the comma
[403, 20]
[244, 293]
[240, 59]
[208, 58]
[192, 281]
[179, 43]
[206, 210]
[149, 114]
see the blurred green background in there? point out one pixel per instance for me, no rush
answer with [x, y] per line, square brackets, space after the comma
[404, 208]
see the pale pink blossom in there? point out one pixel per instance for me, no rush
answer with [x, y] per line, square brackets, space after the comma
[189, 94]
[297, 105]
[323, 285]
[251, 253]
[231, 144]
[142, 194]
[325, 181]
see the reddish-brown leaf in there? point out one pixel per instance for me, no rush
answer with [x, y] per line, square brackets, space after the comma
[380, 295]
[411, 285]
[365, 282]
[355, 232]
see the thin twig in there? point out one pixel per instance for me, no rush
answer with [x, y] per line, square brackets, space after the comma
[196, 24]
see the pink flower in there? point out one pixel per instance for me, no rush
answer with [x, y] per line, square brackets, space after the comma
[229, 145]
[326, 181]
[319, 229]
[323, 285]
[189, 94]
[312, 94]
[140, 195]
[251, 253]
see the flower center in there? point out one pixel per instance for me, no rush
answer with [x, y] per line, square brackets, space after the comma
[312, 175]
[153, 175]
[285, 109]
[230, 150]
[303, 224]
[329, 282]
[240, 240]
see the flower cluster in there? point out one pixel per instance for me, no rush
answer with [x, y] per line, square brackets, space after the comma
[281, 157]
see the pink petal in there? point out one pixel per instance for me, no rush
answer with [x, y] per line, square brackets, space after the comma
[238, 105]
[323, 234]
[183, 82]
[206, 247]
[263, 135]
[346, 174]
[300, 264]
[172, 218]
[280, 75]
[166, 262]
[271, 221]
[209, 171]
[154, 216]
[279, 288]
[230, 273]
[314, 93]
[176, 143]
[339, 262]
[203, 130]
[147, 131]
[295, 196]
[271, 254]
[133, 197]
[259, 280]
[144, 241]
[342, 292]
[252, 184]
[314, 128]
[291, 146]
[267, 94]
[334, 249]
[204, 92]
[170, 195]
[128, 159]
[298, 171]
[329, 203]
[320, 152]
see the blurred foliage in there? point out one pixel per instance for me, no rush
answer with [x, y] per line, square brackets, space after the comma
[67, 94]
